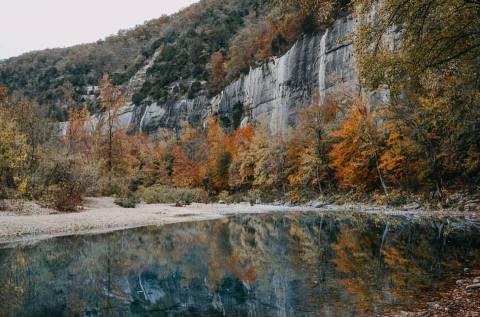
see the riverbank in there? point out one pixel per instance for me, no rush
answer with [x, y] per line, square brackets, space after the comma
[99, 215]
[457, 299]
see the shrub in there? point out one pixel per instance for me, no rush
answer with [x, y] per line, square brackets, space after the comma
[61, 182]
[397, 198]
[66, 196]
[165, 195]
[129, 201]
[254, 196]
[3, 205]
[232, 198]
[116, 186]
[225, 197]
[294, 196]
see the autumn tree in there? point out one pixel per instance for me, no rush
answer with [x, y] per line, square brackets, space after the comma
[405, 39]
[402, 160]
[324, 11]
[242, 165]
[13, 152]
[433, 140]
[307, 154]
[358, 145]
[220, 157]
[25, 132]
[112, 101]
[268, 153]
[218, 72]
[190, 158]
[31, 121]
[160, 161]
[76, 135]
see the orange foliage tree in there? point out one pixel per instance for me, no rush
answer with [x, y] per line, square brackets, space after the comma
[355, 156]
[218, 70]
[242, 166]
[190, 158]
[307, 155]
[219, 156]
[159, 161]
[77, 135]
[114, 135]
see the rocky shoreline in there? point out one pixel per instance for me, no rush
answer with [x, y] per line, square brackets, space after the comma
[31, 222]
[458, 299]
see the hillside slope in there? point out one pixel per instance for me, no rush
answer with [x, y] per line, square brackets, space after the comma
[177, 49]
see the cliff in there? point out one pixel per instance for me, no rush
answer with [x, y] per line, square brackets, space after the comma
[317, 65]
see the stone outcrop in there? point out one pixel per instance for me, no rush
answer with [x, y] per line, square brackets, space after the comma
[316, 66]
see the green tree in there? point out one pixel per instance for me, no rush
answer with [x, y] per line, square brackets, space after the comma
[427, 54]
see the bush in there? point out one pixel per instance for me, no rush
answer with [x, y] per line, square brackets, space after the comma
[66, 196]
[225, 197]
[254, 196]
[232, 198]
[116, 186]
[396, 199]
[167, 195]
[129, 201]
[61, 182]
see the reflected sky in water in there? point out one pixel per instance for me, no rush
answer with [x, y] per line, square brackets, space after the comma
[295, 264]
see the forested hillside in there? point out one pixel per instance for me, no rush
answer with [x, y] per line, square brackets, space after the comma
[200, 49]
[57, 77]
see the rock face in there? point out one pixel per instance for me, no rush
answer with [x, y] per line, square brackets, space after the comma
[316, 66]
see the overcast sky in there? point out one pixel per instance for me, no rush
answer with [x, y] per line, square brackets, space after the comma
[27, 25]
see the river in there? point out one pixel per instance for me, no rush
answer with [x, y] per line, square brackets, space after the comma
[280, 264]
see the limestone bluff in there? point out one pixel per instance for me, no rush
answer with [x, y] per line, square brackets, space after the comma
[317, 65]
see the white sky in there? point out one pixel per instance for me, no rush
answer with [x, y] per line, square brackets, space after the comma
[27, 25]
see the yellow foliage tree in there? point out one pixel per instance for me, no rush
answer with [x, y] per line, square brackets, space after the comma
[307, 156]
[13, 151]
[243, 159]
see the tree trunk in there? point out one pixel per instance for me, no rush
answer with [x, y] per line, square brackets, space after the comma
[110, 137]
[382, 181]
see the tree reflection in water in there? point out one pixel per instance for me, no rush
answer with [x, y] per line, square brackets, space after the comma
[300, 264]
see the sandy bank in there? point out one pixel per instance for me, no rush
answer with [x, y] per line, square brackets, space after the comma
[102, 215]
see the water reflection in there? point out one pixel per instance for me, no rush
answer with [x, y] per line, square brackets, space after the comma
[310, 264]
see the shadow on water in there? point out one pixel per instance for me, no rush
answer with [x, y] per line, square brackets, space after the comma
[296, 264]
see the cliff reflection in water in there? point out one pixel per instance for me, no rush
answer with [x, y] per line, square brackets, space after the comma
[309, 264]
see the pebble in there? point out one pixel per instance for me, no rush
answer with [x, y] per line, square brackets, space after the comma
[471, 207]
[473, 286]
[411, 206]
[318, 204]
[459, 282]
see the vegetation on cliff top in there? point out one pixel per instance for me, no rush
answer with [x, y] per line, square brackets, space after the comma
[199, 50]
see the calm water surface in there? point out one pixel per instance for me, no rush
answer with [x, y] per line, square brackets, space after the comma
[295, 264]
